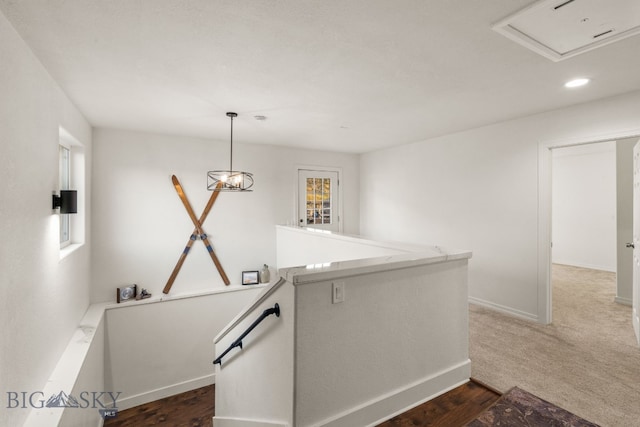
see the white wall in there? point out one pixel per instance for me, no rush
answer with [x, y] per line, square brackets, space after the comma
[624, 211]
[42, 298]
[140, 226]
[478, 189]
[395, 332]
[398, 338]
[159, 349]
[584, 206]
[257, 381]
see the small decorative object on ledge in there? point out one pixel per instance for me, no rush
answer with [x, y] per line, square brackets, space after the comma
[250, 277]
[265, 276]
[127, 293]
[143, 294]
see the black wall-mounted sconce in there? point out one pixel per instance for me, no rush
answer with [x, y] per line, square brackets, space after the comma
[67, 201]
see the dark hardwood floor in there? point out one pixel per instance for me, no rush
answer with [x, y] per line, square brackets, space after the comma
[452, 409]
[191, 409]
[195, 409]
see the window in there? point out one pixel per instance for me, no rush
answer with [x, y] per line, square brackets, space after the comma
[71, 176]
[64, 182]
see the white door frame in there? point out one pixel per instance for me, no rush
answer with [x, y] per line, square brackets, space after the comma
[297, 169]
[544, 211]
[635, 295]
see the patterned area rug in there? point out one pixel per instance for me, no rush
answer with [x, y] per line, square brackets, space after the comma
[518, 408]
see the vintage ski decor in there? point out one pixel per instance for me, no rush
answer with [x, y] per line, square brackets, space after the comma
[197, 232]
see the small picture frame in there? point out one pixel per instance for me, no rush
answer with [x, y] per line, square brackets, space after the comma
[127, 293]
[250, 277]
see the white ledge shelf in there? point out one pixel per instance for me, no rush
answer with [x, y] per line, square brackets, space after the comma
[334, 270]
[399, 246]
[178, 296]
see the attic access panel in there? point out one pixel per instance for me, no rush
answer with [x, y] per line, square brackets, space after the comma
[560, 29]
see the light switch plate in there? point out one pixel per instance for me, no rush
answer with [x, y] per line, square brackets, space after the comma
[337, 292]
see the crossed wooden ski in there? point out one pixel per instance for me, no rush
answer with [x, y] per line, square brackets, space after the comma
[196, 232]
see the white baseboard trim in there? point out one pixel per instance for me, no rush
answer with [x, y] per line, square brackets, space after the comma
[584, 265]
[624, 301]
[504, 309]
[375, 411]
[161, 393]
[241, 422]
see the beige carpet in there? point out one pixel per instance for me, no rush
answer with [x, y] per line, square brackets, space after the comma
[587, 361]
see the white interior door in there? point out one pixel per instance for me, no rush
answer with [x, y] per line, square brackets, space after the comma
[636, 241]
[318, 199]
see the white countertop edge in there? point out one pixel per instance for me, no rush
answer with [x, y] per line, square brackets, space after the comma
[168, 297]
[68, 367]
[400, 246]
[320, 272]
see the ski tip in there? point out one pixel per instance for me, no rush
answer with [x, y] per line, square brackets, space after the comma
[174, 179]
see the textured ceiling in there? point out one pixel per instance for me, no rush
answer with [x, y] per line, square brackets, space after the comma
[348, 75]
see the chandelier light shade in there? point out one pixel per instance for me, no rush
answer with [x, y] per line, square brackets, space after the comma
[229, 180]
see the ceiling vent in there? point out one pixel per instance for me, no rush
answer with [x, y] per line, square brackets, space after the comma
[560, 29]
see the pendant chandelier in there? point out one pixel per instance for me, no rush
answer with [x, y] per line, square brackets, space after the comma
[229, 180]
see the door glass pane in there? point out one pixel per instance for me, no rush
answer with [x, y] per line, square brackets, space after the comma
[309, 187]
[318, 201]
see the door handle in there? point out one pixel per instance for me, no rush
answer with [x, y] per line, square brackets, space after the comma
[631, 245]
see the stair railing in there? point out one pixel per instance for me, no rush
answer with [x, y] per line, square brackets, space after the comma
[238, 342]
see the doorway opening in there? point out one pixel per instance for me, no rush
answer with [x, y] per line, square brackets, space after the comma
[584, 228]
[545, 167]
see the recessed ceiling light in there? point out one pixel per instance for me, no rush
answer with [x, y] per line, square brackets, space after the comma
[576, 83]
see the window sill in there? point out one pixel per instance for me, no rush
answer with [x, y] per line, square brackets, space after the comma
[69, 249]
